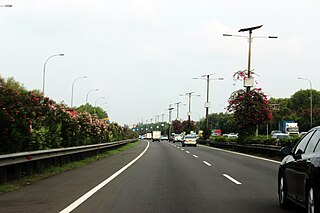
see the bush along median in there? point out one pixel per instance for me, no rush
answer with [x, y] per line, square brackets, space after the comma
[256, 145]
[29, 121]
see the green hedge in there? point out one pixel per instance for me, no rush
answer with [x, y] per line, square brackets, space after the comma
[259, 140]
[30, 121]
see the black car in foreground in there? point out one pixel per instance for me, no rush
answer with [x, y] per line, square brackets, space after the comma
[299, 173]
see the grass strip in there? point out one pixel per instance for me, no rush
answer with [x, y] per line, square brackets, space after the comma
[51, 171]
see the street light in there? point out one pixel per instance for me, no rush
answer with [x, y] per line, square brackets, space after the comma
[178, 103]
[189, 94]
[44, 70]
[89, 93]
[73, 86]
[310, 99]
[250, 29]
[95, 103]
[170, 126]
[207, 104]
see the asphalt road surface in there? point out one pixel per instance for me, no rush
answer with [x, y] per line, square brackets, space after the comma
[164, 177]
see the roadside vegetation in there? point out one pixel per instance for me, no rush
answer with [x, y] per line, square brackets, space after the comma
[30, 121]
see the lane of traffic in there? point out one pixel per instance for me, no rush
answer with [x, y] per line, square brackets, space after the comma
[166, 179]
[256, 176]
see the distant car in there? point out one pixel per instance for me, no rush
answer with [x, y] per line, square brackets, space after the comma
[164, 137]
[190, 140]
[280, 135]
[299, 173]
[275, 132]
[141, 137]
[177, 138]
[232, 135]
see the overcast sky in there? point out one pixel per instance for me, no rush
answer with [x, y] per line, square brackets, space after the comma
[141, 54]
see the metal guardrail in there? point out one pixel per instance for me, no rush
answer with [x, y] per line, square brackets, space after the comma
[13, 165]
[271, 150]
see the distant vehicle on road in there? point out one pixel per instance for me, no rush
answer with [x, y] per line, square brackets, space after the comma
[216, 132]
[178, 138]
[232, 135]
[190, 140]
[141, 137]
[289, 127]
[156, 136]
[280, 135]
[164, 138]
[299, 173]
[275, 131]
[149, 136]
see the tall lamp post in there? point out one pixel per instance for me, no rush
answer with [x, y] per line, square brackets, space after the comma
[178, 103]
[170, 126]
[73, 86]
[44, 70]
[247, 82]
[207, 104]
[89, 93]
[95, 103]
[310, 99]
[189, 94]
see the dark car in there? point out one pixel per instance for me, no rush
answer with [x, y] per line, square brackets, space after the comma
[299, 173]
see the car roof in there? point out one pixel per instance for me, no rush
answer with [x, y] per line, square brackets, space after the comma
[315, 128]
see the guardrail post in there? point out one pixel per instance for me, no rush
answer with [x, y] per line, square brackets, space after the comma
[17, 171]
[29, 168]
[3, 174]
[39, 166]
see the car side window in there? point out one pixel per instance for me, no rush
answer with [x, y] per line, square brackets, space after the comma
[317, 149]
[302, 144]
[313, 142]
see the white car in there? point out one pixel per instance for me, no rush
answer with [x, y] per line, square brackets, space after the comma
[190, 140]
[232, 135]
[280, 135]
[177, 138]
[164, 138]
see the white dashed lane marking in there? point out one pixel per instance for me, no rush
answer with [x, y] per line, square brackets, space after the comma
[232, 179]
[208, 164]
[195, 156]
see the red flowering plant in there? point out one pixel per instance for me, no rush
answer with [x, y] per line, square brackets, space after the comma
[242, 75]
[250, 109]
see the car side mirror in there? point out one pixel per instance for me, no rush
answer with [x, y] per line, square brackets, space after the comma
[287, 150]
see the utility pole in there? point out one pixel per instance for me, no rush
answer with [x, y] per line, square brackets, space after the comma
[247, 82]
[207, 103]
[177, 110]
[169, 129]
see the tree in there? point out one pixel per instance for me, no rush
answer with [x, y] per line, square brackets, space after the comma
[177, 127]
[299, 103]
[249, 109]
[93, 110]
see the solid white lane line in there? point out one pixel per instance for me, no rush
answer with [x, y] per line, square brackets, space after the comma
[208, 164]
[237, 153]
[195, 156]
[188, 152]
[83, 198]
[232, 179]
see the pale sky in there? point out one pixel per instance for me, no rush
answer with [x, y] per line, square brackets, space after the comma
[141, 54]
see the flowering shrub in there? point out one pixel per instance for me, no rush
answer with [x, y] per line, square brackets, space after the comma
[243, 75]
[29, 121]
[250, 109]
